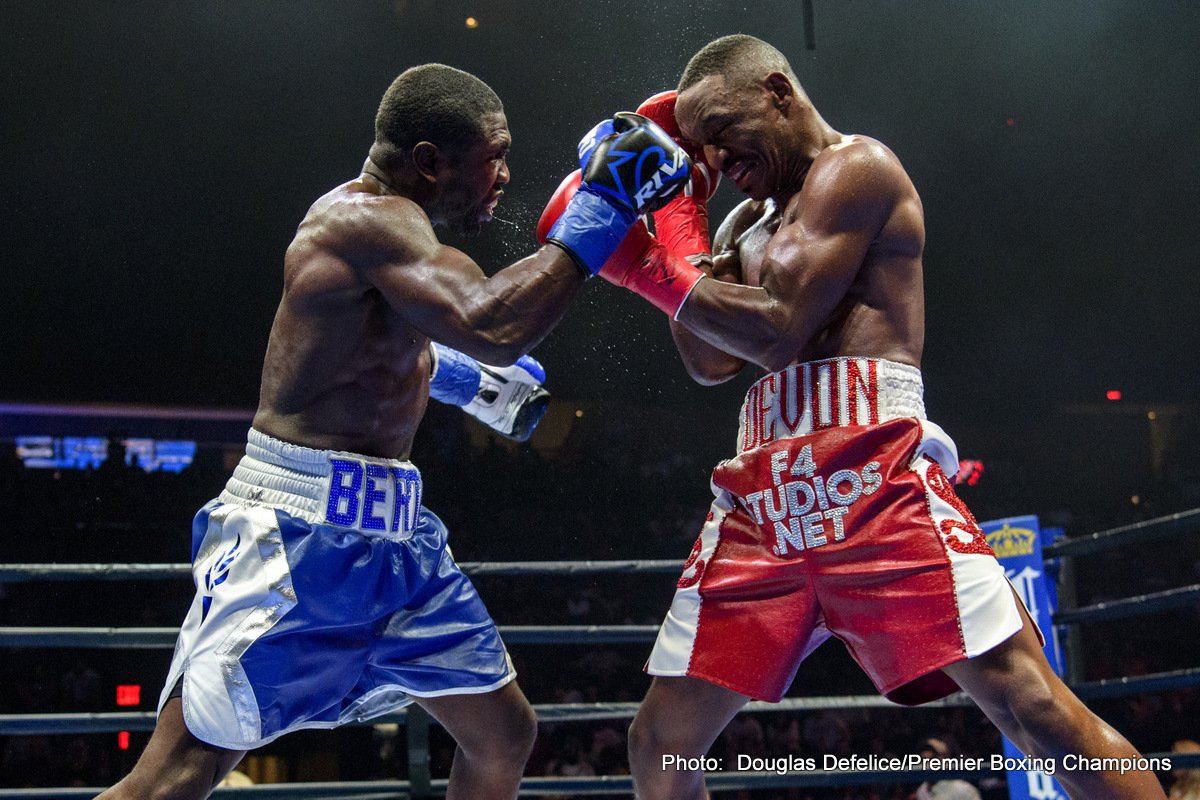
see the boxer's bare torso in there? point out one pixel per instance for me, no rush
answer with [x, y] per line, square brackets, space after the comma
[344, 370]
[880, 312]
[367, 284]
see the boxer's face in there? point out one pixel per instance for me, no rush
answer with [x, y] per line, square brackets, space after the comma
[735, 126]
[474, 183]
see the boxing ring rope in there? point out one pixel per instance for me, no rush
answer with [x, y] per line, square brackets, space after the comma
[26, 573]
[110, 722]
[1137, 533]
[417, 722]
[164, 638]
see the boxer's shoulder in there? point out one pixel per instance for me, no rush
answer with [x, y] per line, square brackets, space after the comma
[856, 170]
[365, 219]
[744, 215]
[363, 227]
[859, 184]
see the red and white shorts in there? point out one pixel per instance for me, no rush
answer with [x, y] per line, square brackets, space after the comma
[837, 517]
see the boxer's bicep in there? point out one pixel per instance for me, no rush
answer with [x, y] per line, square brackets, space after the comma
[437, 289]
[813, 259]
[442, 292]
[806, 273]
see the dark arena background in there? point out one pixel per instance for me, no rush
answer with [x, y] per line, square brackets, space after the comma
[157, 158]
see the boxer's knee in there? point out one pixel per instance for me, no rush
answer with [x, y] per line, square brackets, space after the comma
[680, 717]
[664, 761]
[507, 739]
[179, 782]
[651, 737]
[520, 731]
[641, 739]
[1036, 709]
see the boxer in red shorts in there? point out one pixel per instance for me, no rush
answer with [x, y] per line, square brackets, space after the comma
[836, 516]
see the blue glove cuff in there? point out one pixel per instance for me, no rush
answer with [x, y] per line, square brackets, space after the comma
[456, 378]
[591, 229]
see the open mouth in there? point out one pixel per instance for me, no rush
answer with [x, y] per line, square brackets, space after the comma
[739, 173]
[490, 206]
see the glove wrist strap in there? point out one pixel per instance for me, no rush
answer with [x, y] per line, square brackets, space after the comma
[665, 280]
[590, 229]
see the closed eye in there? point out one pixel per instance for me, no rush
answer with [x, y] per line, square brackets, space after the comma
[716, 128]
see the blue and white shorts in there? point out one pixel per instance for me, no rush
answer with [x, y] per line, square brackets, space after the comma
[325, 594]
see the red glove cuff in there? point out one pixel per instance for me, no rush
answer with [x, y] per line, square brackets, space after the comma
[646, 267]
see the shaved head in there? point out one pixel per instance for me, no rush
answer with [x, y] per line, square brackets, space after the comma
[738, 59]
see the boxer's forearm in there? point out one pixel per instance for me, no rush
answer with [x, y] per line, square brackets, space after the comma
[706, 364]
[745, 322]
[502, 318]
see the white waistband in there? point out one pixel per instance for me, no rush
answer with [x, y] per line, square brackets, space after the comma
[836, 392]
[377, 496]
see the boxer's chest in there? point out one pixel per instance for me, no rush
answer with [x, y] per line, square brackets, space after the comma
[752, 245]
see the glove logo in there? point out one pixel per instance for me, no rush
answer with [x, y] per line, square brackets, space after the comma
[615, 159]
[666, 174]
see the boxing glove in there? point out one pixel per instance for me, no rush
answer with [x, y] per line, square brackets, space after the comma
[640, 263]
[682, 223]
[509, 400]
[629, 166]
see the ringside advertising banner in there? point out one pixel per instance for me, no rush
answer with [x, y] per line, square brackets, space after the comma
[1017, 542]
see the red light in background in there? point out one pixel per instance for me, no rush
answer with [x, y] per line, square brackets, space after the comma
[1011, 122]
[969, 472]
[123, 740]
[129, 695]
[1113, 394]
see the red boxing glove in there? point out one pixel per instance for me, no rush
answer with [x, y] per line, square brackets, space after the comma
[557, 203]
[682, 224]
[641, 263]
[661, 109]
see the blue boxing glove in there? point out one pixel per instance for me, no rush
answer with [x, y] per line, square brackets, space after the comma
[630, 166]
[509, 400]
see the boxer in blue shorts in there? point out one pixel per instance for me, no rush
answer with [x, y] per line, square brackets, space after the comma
[325, 591]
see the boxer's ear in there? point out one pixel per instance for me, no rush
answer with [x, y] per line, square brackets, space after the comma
[780, 89]
[425, 157]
